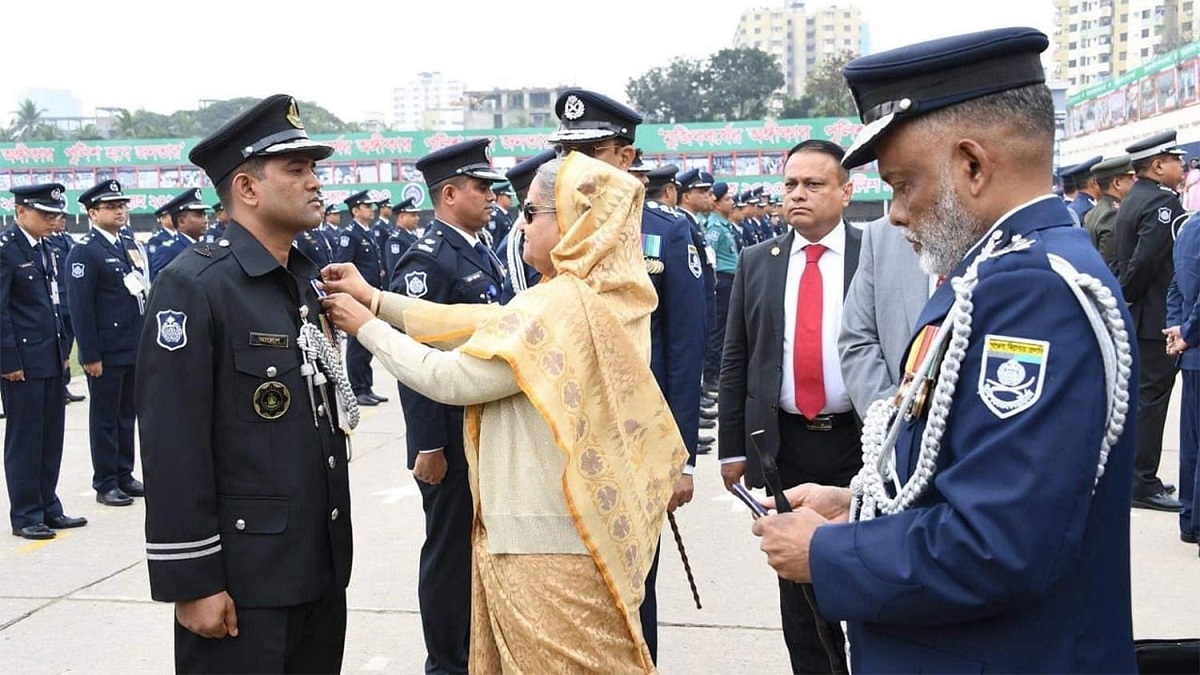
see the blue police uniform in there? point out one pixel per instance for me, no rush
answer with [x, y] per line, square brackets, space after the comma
[61, 244]
[161, 248]
[532, 276]
[499, 225]
[443, 267]
[108, 318]
[170, 244]
[1183, 310]
[315, 247]
[357, 245]
[213, 233]
[1081, 205]
[1014, 555]
[395, 248]
[1078, 175]
[32, 341]
[381, 231]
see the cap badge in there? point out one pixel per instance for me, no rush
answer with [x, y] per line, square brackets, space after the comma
[113, 187]
[293, 115]
[573, 108]
[487, 151]
[197, 194]
[56, 194]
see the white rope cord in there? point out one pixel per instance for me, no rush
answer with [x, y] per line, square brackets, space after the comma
[328, 359]
[516, 265]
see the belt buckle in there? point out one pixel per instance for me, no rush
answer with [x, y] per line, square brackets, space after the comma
[820, 423]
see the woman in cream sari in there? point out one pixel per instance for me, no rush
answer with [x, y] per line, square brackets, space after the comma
[572, 450]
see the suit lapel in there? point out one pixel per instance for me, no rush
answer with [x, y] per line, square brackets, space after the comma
[777, 266]
[850, 260]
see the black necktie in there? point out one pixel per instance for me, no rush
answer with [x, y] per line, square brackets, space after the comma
[43, 258]
[486, 258]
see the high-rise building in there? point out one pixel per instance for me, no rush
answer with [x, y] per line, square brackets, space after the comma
[801, 37]
[428, 101]
[1095, 40]
[507, 108]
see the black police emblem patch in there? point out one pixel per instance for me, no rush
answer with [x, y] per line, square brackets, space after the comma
[272, 400]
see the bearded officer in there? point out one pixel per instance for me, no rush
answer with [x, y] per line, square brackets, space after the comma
[109, 283]
[1007, 546]
[247, 497]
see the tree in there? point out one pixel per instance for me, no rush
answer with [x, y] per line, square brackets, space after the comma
[87, 132]
[826, 89]
[28, 121]
[671, 93]
[740, 82]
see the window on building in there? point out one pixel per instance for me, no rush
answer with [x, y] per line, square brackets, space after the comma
[1104, 58]
[757, 31]
[1072, 63]
[539, 99]
[1145, 52]
[1145, 32]
[1123, 55]
[497, 121]
[1123, 37]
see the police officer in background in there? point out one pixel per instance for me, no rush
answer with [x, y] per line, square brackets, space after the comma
[216, 229]
[500, 224]
[109, 284]
[520, 177]
[1087, 190]
[331, 226]
[357, 244]
[404, 235]
[247, 493]
[186, 212]
[598, 126]
[695, 198]
[381, 229]
[315, 247]
[33, 353]
[725, 247]
[1145, 232]
[61, 244]
[1114, 177]
[449, 264]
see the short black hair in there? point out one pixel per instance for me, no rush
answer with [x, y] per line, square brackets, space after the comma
[825, 148]
[255, 166]
[435, 191]
[1142, 166]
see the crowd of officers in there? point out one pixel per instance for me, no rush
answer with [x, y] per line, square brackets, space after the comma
[1129, 203]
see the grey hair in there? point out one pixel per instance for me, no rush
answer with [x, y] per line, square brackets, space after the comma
[545, 179]
[1025, 112]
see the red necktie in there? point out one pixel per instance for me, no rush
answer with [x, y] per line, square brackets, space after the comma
[806, 346]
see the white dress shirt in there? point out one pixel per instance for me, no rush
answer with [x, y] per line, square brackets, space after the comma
[833, 274]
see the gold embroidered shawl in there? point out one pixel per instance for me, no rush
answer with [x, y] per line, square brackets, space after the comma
[579, 346]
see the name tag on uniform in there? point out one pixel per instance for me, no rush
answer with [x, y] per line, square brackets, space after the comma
[472, 277]
[269, 340]
[112, 260]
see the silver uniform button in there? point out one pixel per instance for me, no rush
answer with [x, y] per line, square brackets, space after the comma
[240, 524]
[271, 371]
[320, 408]
[333, 515]
[332, 462]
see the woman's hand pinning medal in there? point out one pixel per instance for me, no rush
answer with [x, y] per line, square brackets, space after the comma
[347, 297]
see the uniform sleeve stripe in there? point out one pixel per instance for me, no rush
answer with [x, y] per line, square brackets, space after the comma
[183, 544]
[184, 556]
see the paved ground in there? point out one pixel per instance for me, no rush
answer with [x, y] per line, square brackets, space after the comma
[80, 603]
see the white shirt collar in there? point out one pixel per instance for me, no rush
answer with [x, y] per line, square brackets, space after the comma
[471, 239]
[112, 239]
[834, 241]
[32, 240]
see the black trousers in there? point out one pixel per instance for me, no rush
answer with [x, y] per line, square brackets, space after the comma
[33, 447]
[712, 359]
[69, 337]
[358, 367]
[111, 426]
[444, 584]
[716, 328]
[648, 612]
[831, 458]
[308, 638]
[1155, 381]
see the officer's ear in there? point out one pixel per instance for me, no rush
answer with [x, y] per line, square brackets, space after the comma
[244, 187]
[974, 163]
[625, 155]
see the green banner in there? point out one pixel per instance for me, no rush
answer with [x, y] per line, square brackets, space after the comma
[1172, 59]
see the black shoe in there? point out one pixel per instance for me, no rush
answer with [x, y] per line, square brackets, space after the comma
[1168, 488]
[37, 532]
[708, 414]
[708, 424]
[365, 399]
[134, 488]
[377, 397]
[710, 389]
[74, 398]
[707, 400]
[703, 449]
[114, 497]
[1187, 537]
[65, 522]
[1158, 502]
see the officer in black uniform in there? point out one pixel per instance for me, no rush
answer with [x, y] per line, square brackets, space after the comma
[247, 494]
[1145, 232]
[186, 211]
[33, 353]
[61, 244]
[109, 283]
[448, 265]
[520, 177]
[404, 235]
[357, 244]
[500, 224]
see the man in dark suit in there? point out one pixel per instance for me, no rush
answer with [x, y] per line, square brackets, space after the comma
[247, 491]
[109, 283]
[449, 264]
[1146, 224]
[781, 372]
[357, 244]
[33, 354]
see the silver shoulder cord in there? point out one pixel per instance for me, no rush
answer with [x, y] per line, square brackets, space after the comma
[881, 427]
[322, 363]
[516, 265]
